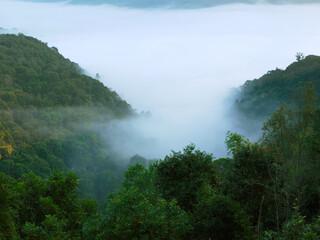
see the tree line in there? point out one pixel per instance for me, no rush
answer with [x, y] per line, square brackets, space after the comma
[267, 189]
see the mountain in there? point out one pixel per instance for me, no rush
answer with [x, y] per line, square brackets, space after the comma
[259, 97]
[49, 111]
[32, 74]
[175, 3]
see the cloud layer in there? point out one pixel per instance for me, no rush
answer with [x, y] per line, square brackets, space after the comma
[178, 64]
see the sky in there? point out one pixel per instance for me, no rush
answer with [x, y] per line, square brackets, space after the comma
[179, 64]
[177, 4]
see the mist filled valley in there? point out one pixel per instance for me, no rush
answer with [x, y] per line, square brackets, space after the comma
[159, 120]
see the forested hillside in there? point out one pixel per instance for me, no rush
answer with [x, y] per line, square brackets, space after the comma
[47, 106]
[55, 170]
[267, 190]
[34, 75]
[259, 97]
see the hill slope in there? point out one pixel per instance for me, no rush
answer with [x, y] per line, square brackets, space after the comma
[33, 74]
[48, 109]
[259, 97]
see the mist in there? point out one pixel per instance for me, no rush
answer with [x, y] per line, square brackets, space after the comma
[179, 64]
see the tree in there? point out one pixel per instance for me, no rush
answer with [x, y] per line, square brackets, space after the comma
[299, 56]
[51, 229]
[50, 208]
[143, 179]
[221, 218]
[136, 211]
[138, 159]
[8, 228]
[5, 148]
[293, 138]
[234, 142]
[252, 180]
[182, 174]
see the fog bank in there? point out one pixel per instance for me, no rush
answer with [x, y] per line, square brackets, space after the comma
[177, 64]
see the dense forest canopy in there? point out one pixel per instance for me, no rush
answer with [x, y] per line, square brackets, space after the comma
[34, 75]
[259, 97]
[47, 108]
[55, 170]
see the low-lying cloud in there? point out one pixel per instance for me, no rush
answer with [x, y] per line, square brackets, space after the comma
[177, 64]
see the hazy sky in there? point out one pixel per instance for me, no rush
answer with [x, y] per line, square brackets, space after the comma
[178, 64]
[181, 4]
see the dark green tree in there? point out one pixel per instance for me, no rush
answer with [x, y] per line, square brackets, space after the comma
[136, 211]
[8, 227]
[182, 174]
[218, 217]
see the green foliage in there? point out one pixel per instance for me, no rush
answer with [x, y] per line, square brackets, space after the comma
[269, 178]
[299, 56]
[7, 213]
[48, 112]
[293, 138]
[251, 178]
[260, 97]
[32, 74]
[142, 178]
[32, 232]
[136, 211]
[296, 228]
[51, 229]
[234, 142]
[218, 217]
[34, 208]
[182, 174]
[131, 215]
[5, 149]
[138, 159]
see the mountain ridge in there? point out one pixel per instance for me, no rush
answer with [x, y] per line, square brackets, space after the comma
[48, 113]
[259, 97]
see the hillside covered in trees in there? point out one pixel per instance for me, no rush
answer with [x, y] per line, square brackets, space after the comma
[260, 97]
[264, 190]
[55, 170]
[47, 107]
